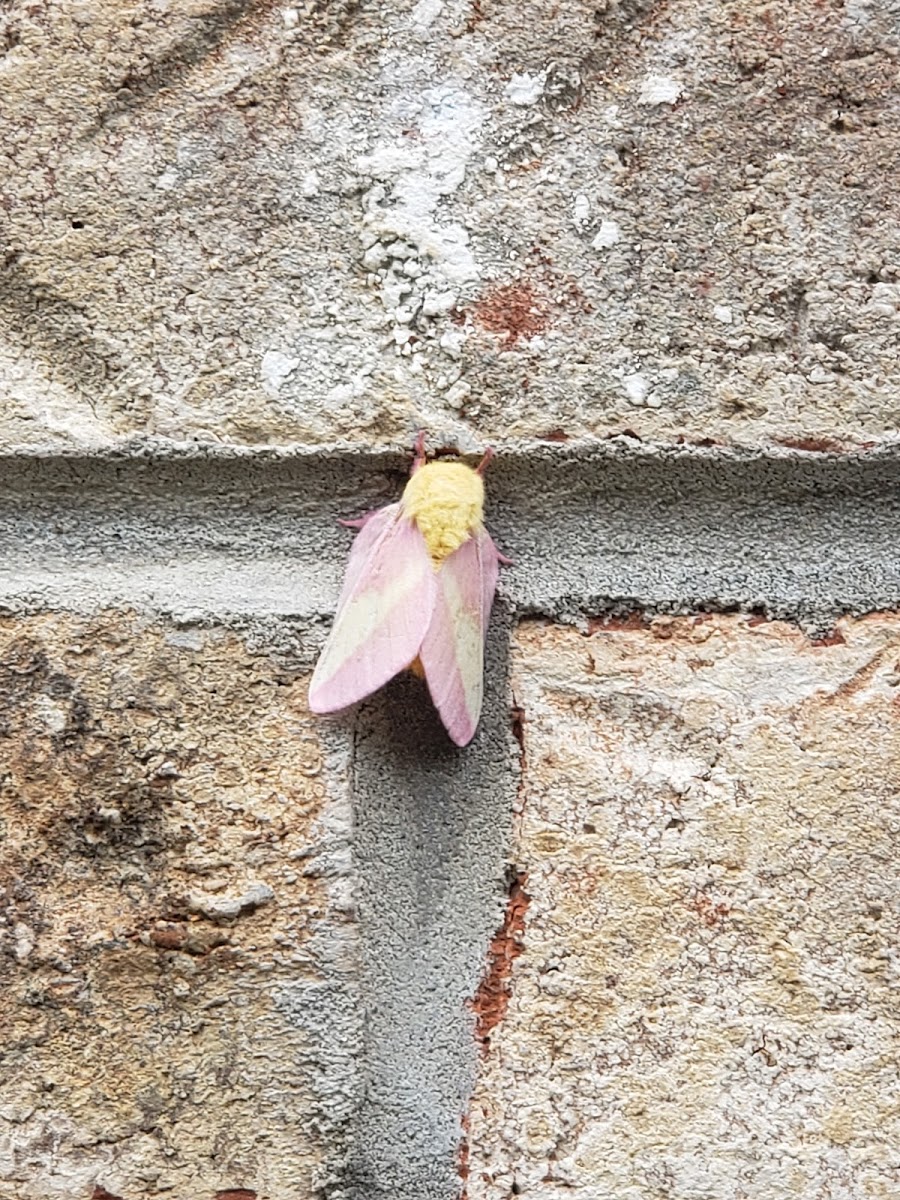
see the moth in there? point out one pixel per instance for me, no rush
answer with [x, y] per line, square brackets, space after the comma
[417, 593]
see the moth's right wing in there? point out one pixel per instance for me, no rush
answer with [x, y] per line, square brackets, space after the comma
[453, 650]
[383, 613]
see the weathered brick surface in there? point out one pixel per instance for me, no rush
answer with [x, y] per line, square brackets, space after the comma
[266, 223]
[701, 1001]
[177, 951]
[337, 221]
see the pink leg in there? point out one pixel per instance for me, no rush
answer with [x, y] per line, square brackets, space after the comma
[358, 522]
[419, 460]
[483, 465]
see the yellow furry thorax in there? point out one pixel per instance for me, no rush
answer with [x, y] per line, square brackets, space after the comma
[446, 501]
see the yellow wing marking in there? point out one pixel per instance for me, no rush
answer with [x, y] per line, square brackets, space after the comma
[357, 623]
[468, 638]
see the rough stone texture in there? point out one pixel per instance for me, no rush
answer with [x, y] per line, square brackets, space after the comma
[264, 223]
[244, 951]
[235, 944]
[178, 953]
[696, 992]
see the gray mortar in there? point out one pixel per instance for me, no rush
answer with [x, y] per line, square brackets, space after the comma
[432, 833]
[592, 529]
[251, 538]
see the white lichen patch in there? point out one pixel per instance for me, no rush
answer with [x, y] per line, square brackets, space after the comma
[607, 235]
[581, 211]
[636, 388]
[51, 714]
[414, 173]
[227, 907]
[525, 89]
[426, 13]
[416, 258]
[275, 368]
[660, 89]
[310, 184]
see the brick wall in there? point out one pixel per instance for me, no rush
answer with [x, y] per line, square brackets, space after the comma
[638, 940]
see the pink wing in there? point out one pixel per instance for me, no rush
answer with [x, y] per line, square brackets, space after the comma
[383, 613]
[453, 650]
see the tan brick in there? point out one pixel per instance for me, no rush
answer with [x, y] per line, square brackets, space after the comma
[304, 223]
[702, 999]
[166, 908]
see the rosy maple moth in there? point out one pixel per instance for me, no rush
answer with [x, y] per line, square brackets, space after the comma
[417, 593]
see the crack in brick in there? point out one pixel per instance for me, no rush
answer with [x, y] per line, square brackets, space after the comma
[463, 1157]
[492, 998]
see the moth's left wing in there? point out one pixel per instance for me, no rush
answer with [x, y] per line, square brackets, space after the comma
[452, 652]
[382, 615]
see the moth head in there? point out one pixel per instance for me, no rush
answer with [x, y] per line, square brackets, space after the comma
[446, 501]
